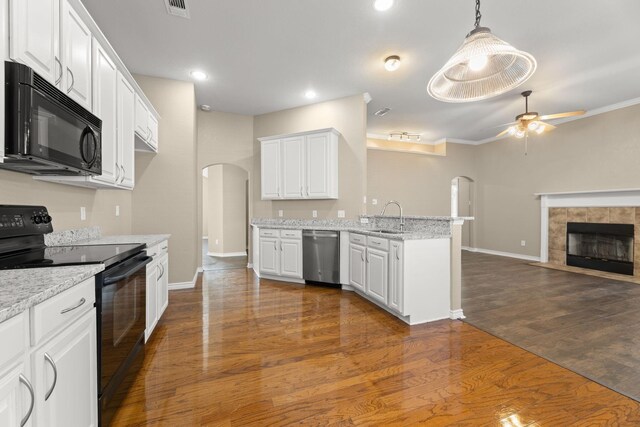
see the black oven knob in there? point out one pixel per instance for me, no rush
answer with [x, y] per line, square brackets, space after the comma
[46, 219]
[37, 219]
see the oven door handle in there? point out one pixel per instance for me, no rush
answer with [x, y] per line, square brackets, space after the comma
[126, 271]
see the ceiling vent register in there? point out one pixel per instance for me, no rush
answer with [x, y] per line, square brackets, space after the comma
[177, 8]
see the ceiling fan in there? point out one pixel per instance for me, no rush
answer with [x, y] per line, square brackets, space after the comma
[531, 121]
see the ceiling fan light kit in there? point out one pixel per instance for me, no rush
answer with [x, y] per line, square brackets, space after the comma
[484, 66]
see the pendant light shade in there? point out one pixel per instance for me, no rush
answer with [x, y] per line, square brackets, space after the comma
[483, 67]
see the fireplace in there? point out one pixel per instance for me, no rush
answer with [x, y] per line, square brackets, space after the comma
[604, 247]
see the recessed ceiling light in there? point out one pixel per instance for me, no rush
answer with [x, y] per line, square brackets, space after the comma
[383, 5]
[392, 63]
[310, 94]
[205, 107]
[198, 75]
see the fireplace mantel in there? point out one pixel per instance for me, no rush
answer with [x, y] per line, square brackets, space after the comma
[628, 197]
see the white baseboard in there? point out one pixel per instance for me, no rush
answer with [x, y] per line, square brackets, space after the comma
[227, 254]
[186, 285]
[505, 254]
[250, 265]
[456, 314]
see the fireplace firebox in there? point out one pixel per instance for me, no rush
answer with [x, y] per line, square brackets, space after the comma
[604, 247]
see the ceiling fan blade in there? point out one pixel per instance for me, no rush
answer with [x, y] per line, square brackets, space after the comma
[547, 126]
[561, 115]
[502, 133]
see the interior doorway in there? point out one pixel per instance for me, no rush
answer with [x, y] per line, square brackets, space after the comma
[463, 204]
[225, 219]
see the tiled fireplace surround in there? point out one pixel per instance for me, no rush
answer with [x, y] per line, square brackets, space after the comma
[594, 207]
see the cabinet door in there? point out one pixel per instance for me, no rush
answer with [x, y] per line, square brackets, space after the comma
[35, 36]
[152, 299]
[76, 56]
[269, 256]
[293, 167]
[396, 283]
[142, 119]
[105, 81]
[357, 271]
[377, 274]
[270, 167]
[153, 131]
[318, 156]
[291, 258]
[163, 285]
[15, 397]
[126, 132]
[66, 369]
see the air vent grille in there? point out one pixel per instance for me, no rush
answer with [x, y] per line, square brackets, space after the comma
[177, 8]
[381, 112]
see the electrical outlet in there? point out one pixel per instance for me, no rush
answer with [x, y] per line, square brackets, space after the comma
[340, 214]
[374, 201]
[280, 213]
[216, 241]
[523, 243]
[117, 210]
[83, 213]
[314, 214]
[364, 220]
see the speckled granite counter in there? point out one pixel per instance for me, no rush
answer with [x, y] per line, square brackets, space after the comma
[416, 227]
[22, 289]
[148, 239]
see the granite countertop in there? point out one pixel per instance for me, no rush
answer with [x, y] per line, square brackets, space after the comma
[23, 288]
[148, 239]
[428, 232]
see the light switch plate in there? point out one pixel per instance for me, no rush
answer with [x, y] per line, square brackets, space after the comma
[314, 214]
[340, 214]
[523, 243]
[364, 200]
[280, 213]
[83, 213]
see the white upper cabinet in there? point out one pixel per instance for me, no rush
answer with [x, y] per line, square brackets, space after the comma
[76, 56]
[153, 132]
[126, 99]
[34, 28]
[270, 166]
[146, 127]
[307, 169]
[105, 81]
[142, 119]
[292, 167]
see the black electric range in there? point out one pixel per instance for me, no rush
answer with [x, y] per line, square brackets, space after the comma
[120, 294]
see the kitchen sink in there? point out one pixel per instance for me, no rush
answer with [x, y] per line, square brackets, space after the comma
[389, 231]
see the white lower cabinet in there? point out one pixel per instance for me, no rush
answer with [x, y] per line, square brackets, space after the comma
[157, 286]
[49, 362]
[377, 274]
[357, 266]
[396, 277]
[65, 376]
[280, 253]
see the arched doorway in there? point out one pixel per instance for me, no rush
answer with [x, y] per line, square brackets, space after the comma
[225, 217]
[463, 204]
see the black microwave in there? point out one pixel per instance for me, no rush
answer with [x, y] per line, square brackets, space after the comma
[47, 132]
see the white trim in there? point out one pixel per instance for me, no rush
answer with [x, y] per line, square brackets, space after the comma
[185, 285]
[396, 150]
[283, 279]
[227, 254]
[250, 265]
[456, 314]
[566, 193]
[504, 254]
[308, 132]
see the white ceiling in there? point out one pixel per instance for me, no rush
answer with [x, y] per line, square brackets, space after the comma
[262, 55]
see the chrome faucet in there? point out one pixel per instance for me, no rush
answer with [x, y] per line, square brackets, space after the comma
[399, 207]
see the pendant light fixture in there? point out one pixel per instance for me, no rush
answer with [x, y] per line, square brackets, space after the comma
[483, 67]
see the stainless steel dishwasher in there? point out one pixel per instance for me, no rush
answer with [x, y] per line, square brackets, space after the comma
[321, 256]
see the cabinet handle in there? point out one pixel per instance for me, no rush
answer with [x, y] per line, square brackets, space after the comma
[275, 245]
[362, 255]
[60, 76]
[367, 256]
[73, 80]
[397, 253]
[49, 359]
[68, 309]
[159, 269]
[117, 173]
[164, 248]
[27, 384]
[150, 134]
[301, 194]
[124, 173]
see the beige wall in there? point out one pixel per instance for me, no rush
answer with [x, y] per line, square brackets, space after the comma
[596, 153]
[64, 202]
[421, 183]
[349, 117]
[165, 199]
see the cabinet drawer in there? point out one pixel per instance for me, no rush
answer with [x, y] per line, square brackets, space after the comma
[269, 233]
[163, 248]
[13, 336]
[291, 234]
[378, 243]
[59, 311]
[153, 251]
[358, 238]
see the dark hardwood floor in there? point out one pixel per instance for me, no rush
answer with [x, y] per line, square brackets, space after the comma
[236, 352]
[585, 323]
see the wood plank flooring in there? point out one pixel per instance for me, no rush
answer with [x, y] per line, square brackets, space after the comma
[585, 323]
[236, 352]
